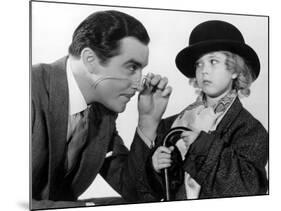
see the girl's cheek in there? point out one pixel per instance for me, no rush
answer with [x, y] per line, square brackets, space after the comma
[199, 82]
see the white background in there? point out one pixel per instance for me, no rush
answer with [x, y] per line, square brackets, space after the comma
[15, 85]
[169, 31]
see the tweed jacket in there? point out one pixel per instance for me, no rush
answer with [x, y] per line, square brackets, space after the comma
[49, 120]
[229, 161]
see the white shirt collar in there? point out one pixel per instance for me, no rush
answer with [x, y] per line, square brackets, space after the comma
[77, 101]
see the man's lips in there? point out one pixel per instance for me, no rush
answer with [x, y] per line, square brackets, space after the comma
[128, 95]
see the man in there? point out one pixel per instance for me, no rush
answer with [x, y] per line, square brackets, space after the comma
[75, 102]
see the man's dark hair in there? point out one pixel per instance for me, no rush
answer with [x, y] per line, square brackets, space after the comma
[102, 31]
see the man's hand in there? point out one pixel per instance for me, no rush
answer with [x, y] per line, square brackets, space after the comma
[152, 103]
[162, 158]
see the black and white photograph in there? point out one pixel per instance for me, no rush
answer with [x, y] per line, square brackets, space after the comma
[140, 105]
[137, 105]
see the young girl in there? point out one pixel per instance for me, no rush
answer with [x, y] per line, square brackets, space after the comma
[226, 150]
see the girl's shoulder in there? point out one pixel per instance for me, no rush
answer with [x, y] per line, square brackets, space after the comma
[245, 117]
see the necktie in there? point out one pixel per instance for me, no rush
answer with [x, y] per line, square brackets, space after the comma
[78, 138]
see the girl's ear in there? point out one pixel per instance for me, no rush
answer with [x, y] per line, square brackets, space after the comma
[234, 75]
[89, 59]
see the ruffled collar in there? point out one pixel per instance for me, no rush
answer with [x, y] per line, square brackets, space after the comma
[221, 106]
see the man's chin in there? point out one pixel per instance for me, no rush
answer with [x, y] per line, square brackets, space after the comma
[119, 108]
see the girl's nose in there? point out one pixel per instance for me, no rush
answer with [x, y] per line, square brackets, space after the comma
[205, 69]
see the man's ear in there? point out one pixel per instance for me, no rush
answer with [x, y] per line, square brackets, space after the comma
[89, 59]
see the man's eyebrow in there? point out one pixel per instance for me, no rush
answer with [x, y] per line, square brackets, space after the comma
[133, 61]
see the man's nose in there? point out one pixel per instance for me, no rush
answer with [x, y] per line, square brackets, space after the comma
[137, 80]
[138, 75]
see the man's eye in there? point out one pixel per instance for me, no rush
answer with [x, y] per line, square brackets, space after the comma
[133, 68]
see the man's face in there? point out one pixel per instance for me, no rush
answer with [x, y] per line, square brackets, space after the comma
[115, 94]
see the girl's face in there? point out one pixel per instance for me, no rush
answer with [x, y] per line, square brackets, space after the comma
[212, 74]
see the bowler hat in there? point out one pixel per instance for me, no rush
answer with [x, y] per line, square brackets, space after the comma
[212, 36]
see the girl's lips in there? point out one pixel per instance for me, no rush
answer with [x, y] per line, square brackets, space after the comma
[206, 82]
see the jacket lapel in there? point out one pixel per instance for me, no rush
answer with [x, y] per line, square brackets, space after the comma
[229, 117]
[58, 120]
[101, 127]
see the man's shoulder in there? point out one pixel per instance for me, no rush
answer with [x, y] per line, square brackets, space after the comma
[44, 69]
[39, 72]
[41, 75]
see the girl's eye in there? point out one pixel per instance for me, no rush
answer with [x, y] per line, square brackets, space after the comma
[214, 61]
[198, 64]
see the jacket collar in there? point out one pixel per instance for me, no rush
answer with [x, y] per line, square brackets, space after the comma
[229, 117]
[58, 120]
[101, 128]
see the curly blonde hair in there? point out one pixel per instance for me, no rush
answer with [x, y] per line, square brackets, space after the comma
[235, 64]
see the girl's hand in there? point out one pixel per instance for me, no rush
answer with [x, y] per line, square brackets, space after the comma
[189, 137]
[162, 158]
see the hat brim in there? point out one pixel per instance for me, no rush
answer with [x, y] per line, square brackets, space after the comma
[186, 58]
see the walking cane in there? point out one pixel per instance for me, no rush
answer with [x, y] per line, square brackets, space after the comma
[171, 139]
